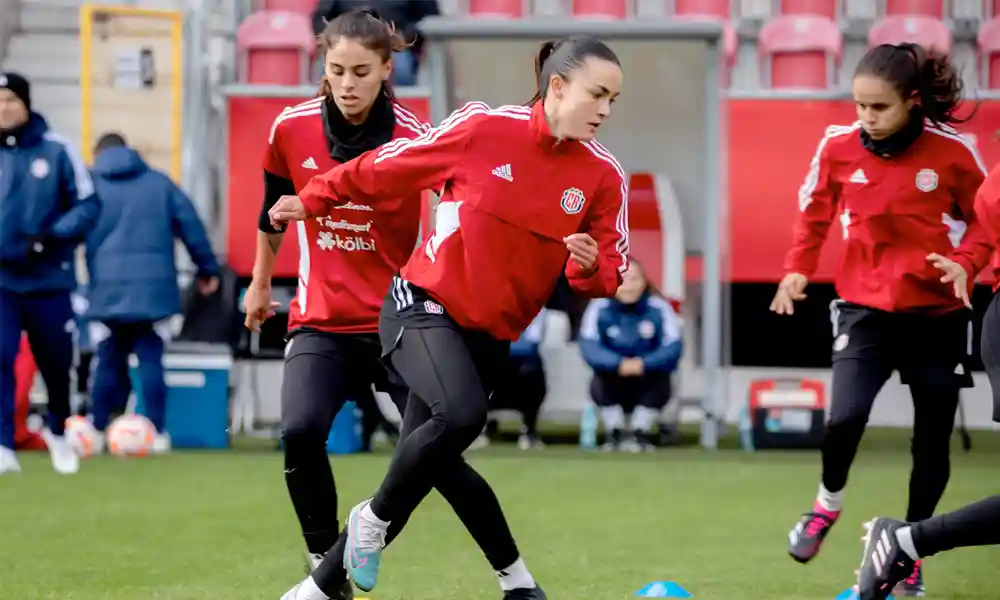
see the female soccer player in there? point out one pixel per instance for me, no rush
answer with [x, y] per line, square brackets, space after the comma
[347, 256]
[901, 183]
[521, 187]
[892, 547]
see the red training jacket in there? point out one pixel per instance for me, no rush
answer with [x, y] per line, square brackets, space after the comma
[511, 193]
[892, 213]
[988, 212]
[348, 254]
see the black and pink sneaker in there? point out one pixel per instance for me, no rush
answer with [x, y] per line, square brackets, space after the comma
[805, 539]
[912, 586]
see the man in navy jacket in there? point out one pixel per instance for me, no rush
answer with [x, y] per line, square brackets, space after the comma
[633, 343]
[133, 277]
[47, 206]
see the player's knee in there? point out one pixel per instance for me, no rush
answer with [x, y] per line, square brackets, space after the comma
[302, 432]
[847, 425]
[464, 422]
[932, 447]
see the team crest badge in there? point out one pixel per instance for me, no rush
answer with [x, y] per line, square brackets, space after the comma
[927, 180]
[572, 201]
[40, 168]
[647, 330]
[841, 342]
[433, 308]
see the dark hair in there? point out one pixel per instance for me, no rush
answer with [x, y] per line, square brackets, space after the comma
[365, 26]
[110, 140]
[915, 72]
[562, 57]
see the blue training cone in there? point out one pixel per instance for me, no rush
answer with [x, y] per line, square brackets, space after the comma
[663, 589]
[852, 594]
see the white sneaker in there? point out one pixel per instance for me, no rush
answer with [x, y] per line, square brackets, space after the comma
[305, 590]
[161, 443]
[8, 461]
[65, 460]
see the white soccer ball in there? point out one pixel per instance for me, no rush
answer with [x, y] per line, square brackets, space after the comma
[83, 437]
[131, 435]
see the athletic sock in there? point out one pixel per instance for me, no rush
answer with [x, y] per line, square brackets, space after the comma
[830, 501]
[904, 536]
[515, 577]
[308, 590]
[643, 418]
[613, 417]
[368, 515]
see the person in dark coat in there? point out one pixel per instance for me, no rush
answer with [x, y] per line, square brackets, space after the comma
[133, 277]
[47, 206]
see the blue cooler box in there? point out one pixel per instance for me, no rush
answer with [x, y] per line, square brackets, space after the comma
[345, 435]
[197, 412]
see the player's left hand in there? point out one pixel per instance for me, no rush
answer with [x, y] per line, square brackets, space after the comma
[287, 208]
[954, 274]
[582, 248]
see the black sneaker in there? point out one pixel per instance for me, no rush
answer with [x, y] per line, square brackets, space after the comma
[912, 586]
[534, 593]
[668, 435]
[644, 440]
[806, 538]
[613, 441]
[884, 563]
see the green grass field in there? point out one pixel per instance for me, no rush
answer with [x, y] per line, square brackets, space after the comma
[218, 526]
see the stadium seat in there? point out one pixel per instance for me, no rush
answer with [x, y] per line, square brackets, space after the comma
[511, 9]
[926, 31]
[799, 51]
[989, 53]
[927, 8]
[302, 7]
[716, 8]
[645, 237]
[822, 8]
[275, 48]
[600, 9]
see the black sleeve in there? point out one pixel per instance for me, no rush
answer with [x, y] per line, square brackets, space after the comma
[274, 188]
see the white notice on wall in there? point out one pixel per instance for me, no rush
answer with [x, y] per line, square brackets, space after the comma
[128, 68]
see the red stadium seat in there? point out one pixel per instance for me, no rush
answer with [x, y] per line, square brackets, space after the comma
[927, 8]
[600, 9]
[275, 48]
[822, 8]
[645, 237]
[302, 7]
[716, 8]
[989, 53]
[511, 9]
[799, 51]
[926, 31]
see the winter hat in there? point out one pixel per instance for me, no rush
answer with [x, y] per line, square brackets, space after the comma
[17, 84]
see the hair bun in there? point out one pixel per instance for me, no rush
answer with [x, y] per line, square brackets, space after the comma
[371, 12]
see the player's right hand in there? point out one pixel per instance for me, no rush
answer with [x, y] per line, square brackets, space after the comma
[258, 306]
[790, 290]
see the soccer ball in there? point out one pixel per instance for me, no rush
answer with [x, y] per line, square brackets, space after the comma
[131, 435]
[83, 437]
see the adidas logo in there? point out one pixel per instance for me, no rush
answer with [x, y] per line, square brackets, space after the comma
[309, 163]
[859, 177]
[503, 172]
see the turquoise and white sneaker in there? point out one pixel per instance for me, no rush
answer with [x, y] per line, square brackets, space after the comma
[365, 540]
